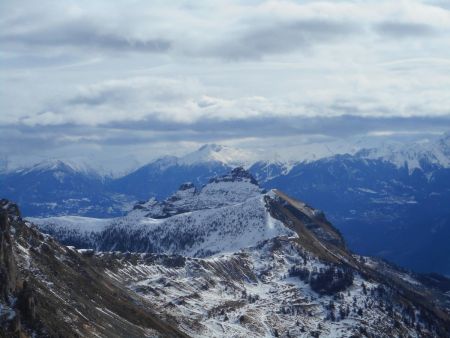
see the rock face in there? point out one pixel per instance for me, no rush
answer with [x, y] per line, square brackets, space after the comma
[237, 174]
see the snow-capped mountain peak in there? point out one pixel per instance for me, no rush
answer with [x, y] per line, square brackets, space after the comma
[218, 153]
[414, 155]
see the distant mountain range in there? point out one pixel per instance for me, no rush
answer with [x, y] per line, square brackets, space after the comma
[390, 201]
[57, 187]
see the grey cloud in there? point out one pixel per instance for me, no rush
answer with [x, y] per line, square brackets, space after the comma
[112, 142]
[257, 41]
[120, 92]
[252, 40]
[103, 96]
[150, 130]
[82, 33]
[404, 29]
[444, 4]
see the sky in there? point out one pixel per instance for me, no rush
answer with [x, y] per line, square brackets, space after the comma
[118, 83]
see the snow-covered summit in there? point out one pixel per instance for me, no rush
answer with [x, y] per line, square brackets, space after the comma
[236, 187]
[207, 155]
[218, 153]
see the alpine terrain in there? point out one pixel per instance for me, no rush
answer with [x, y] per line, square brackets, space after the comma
[228, 259]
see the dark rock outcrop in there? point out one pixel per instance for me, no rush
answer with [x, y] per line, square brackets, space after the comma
[8, 274]
[237, 174]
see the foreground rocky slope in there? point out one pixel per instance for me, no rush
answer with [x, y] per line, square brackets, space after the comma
[231, 260]
[49, 290]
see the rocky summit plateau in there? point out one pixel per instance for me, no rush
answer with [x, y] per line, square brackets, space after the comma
[227, 259]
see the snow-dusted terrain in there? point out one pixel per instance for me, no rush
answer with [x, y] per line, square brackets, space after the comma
[256, 294]
[231, 260]
[58, 166]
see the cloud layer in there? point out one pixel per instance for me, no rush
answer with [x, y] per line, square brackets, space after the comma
[139, 75]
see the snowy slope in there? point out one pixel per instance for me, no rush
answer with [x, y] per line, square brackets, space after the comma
[56, 165]
[198, 233]
[75, 223]
[273, 291]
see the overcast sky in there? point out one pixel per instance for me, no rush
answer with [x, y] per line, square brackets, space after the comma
[122, 82]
